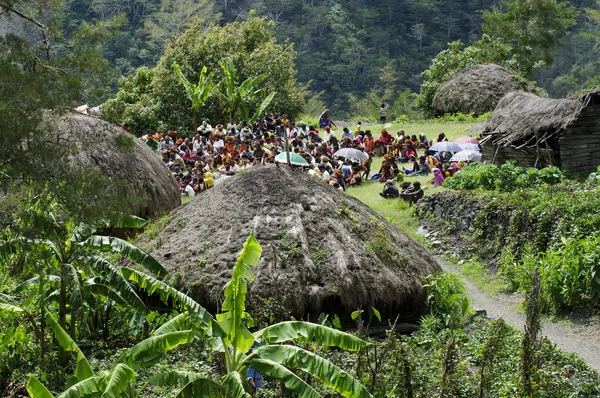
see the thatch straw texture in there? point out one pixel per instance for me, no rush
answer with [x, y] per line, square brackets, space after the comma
[525, 119]
[476, 89]
[323, 251]
[95, 144]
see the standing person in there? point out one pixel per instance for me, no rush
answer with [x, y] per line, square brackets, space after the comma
[325, 119]
[357, 132]
[383, 113]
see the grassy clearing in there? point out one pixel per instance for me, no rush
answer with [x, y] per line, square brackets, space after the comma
[431, 128]
[400, 214]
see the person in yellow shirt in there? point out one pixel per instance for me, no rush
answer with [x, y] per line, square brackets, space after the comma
[357, 131]
[208, 180]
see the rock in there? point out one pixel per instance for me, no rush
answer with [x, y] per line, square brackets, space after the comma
[422, 231]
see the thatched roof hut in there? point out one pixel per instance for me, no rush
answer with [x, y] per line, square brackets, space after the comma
[536, 132]
[323, 251]
[476, 89]
[116, 153]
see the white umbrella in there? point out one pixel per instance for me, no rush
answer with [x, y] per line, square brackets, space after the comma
[445, 146]
[469, 147]
[351, 153]
[469, 156]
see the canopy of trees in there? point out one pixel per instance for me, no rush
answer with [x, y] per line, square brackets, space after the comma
[159, 97]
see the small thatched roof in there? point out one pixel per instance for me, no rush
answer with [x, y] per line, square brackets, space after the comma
[476, 89]
[523, 119]
[323, 251]
[117, 153]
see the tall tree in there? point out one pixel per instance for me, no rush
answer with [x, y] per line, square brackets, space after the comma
[532, 28]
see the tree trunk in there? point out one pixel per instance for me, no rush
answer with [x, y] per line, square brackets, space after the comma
[195, 118]
[62, 317]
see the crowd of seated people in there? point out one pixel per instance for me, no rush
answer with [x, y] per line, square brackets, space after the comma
[202, 159]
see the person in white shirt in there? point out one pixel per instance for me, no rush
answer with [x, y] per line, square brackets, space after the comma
[219, 143]
[188, 190]
[205, 129]
[328, 134]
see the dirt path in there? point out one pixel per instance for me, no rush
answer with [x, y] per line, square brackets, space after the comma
[579, 336]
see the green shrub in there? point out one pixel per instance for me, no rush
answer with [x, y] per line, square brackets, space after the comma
[504, 178]
[447, 299]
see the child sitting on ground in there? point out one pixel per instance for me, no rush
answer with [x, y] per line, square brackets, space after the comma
[390, 190]
[412, 194]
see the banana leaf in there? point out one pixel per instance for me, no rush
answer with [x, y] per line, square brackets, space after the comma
[292, 382]
[127, 249]
[328, 373]
[309, 332]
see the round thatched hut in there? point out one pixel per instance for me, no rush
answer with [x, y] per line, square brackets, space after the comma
[476, 89]
[323, 251]
[117, 153]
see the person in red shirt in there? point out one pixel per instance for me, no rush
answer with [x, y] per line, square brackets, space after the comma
[368, 141]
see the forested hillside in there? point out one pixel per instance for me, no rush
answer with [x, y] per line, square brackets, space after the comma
[344, 48]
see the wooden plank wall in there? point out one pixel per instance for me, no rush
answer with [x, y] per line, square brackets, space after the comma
[580, 144]
[524, 157]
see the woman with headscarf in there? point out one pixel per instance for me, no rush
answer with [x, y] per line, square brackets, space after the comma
[438, 176]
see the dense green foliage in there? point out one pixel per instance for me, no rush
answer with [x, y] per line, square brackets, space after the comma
[157, 98]
[505, 178]
[522, 219]
[532, 30]
[358, 53]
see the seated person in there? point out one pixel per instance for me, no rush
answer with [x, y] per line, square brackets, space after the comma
[390, 190]
[355, 178]
[412, 194]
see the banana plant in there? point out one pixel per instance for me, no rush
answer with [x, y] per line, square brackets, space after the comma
[237, 99]
[119, 381]
[226, 333]
[72, 255]
[229, 334]
[197, 93]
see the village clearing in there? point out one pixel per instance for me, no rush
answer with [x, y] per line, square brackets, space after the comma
[578, 334]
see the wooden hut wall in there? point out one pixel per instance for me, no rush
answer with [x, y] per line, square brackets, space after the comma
[580, 143]
[524, 157]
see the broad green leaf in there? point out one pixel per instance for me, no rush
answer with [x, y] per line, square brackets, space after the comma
[83, 370]
[10, 308]
[127, 249]
[128, 221]
[292, 382]
[355, 314]
[251, 252]
[174, 378]
[35, 281]
[36, 389]
[166, 292]
[149, 351]
[376, 313]
[320, 368]
[234, 306]
[176, 324]
[12, 247]
[103, 290]
[91, 387]
[309, 333]
[234, 385]
[74, 280]
[117, 282]
[118, 379]
[204, 388]
[259, 111]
